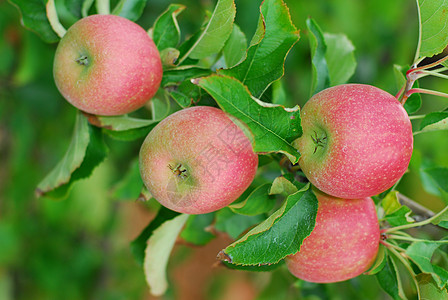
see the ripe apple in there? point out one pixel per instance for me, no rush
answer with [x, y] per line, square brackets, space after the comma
[343, 244]
[357, 141]
[197, 160]
[107, 65]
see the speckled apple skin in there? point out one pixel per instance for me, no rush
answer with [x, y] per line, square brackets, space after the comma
[124, 69]
[368, 142]
[343, 244]
[217, 157]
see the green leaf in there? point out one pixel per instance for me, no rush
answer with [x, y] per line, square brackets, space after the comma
[434, 21]
[421, 253]
[185, 94]
[86, 151]
[130, 186]
[195, 230]
[388, 279]
[400, 217]
[258, 202]
[274, 127]
[69, 11]
[234, 224]
[286, 185]
[263, 268]
[274, 38]
[180, 74]
[235, 48]
[130, 9]
[34, 17]
[278, 93]
[166, 32]
[87, 4]
[380, 261]
[441, 218]
[138, 245]
[321, 76]
[158, 251]
[428, 288]
[278, 236]
[390, 203]
[439, 175]
[215, 33]
[340, 58]
[434, 121]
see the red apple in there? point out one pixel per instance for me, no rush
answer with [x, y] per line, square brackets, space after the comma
[197, 160]
[343, 244]
[357, 141]
[107, 65]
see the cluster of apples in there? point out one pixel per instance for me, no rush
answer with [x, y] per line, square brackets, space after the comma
[357, 142]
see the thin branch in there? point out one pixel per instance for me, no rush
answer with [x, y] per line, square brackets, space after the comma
[52, 16]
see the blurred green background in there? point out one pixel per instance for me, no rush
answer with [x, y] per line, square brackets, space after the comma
[78, 248]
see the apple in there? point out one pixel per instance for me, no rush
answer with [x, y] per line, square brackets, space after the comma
[357, 141]
[343, 244]
[107, 65]
[197, 160]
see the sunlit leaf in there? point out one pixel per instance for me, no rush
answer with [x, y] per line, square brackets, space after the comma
[274, 127]
[321, 76]
[278, 236]
[264, 62]
[434, 22]
[158, 251]
[340, 58]
[215, 33]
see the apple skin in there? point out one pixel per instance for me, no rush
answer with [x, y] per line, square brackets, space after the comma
[107, 65]
[357, 141]
[343, 244]
[197, 160]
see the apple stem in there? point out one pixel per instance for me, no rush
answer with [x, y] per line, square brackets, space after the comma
[416, 224]
[103, 7]
[52, 16]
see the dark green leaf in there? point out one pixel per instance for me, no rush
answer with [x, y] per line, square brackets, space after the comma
[195, 230]
[434, 21]
[130, 186]
[138, 245]
[435, 121]
[264, 63]
[69, 11]
[235, 47]
[130, 9]
[185, 94]
[278, 236]
[166, 32]
[180, 74]
[258, 202]
[273, 126]
[234, 224]
[86, 151]
[388, 279]
[34, 17]
[321, 76]
[340, 58]
[215, 33]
